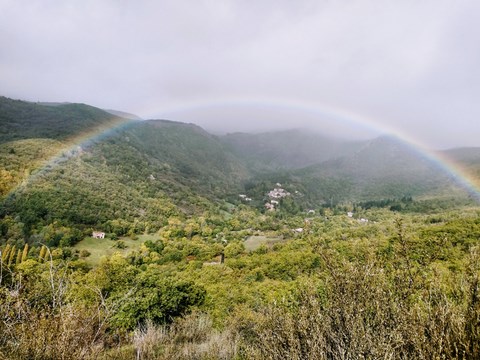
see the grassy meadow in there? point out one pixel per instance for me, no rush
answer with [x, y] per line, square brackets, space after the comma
[99, 248]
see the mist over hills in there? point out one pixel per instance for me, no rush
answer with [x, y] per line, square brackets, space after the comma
[287, 149]
[155, 169]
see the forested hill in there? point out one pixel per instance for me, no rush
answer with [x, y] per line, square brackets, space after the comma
[384, 167]
[26, 120]
[144, 173]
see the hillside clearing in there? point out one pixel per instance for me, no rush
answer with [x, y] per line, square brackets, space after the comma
[107, 247]
[255, 241]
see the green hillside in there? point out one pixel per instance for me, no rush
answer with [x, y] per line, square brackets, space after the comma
[131, 180]
[33, 133]
[20, 157]
[25, 120]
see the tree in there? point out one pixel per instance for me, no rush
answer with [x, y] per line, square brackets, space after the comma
[6, 253]
[13, 252]
[157, 299]
[25, 252]
[43, 253]
[19, 257]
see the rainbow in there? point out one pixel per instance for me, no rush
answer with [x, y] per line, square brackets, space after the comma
[346, 118]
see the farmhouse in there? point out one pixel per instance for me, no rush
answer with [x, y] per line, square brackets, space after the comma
[98, 235]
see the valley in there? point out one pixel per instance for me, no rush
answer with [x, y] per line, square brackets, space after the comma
[286, 244]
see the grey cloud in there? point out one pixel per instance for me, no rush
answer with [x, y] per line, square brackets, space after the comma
[411, 65]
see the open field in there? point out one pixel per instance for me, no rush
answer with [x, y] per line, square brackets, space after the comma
[106, 247]
[253, 242]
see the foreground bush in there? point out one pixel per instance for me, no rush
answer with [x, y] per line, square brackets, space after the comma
[378, 305]
[364, 312]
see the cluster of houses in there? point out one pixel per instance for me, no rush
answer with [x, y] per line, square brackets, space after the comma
[276, 193]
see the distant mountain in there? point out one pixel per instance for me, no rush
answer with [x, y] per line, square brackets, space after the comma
[384, 167]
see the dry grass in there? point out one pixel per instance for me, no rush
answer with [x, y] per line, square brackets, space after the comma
[69, 334]
[192, 337]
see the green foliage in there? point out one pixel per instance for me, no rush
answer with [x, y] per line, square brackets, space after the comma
[379, 289]
[120, 244]
[84, 253]
[234, 249]
[158, 300]
[156, 246]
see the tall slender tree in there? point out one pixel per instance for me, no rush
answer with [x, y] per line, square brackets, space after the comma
[43, 253]
[13, 252]
[19, 257]
[25, 252]
[6, 253]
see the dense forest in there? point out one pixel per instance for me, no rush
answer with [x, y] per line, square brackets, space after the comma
[228, 247]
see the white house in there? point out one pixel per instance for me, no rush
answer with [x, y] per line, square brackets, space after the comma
[98, 235]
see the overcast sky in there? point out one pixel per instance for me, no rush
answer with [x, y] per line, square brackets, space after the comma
[411, 67]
